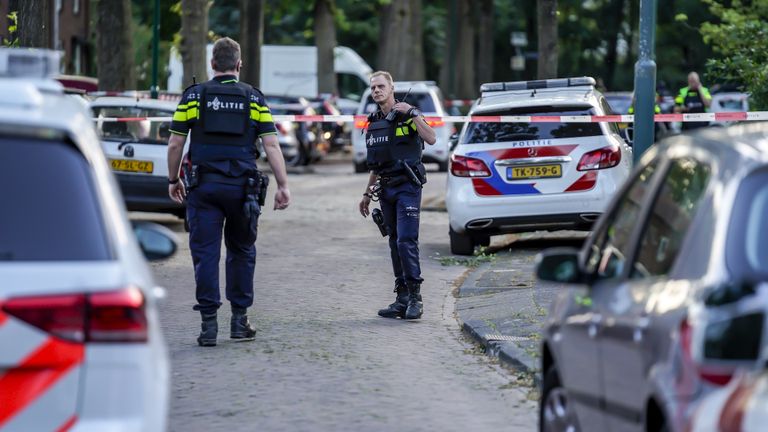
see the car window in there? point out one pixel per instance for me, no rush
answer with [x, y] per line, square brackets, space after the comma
[423, 101]
[611, 244]
[747, 244]
[673, 211]
[350, 86]
[50, 211]
[142, 131]
[521, 131]
[614, 127]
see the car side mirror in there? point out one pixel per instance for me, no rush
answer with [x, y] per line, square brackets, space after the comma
[453, 141]
[559, 265]
[156, 241]
[628, 134]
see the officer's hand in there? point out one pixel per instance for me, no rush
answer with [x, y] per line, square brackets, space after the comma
[402, 107]
[177, 192]
[364, 204]
[282, 198]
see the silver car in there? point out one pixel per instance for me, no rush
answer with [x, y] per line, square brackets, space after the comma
[81, 347]
[686, 231]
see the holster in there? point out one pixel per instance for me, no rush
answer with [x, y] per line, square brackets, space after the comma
[191, 175]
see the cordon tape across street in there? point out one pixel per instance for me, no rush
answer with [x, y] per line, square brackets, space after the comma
[721, 116]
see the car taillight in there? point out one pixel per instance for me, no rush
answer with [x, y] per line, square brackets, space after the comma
[710, 375]
[605, 157]
[462, 166]
[113, 316]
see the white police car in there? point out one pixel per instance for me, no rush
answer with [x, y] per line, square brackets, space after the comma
[516, 174]
[137, 149]
[424, 95]
[81, 347]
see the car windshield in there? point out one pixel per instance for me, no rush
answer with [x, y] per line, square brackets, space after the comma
[140, 131]
[748, 235]
[422, 101]
[51, 211]
[482, 132]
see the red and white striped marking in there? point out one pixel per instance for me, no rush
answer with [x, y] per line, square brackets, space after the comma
[723, 116]
[45, 372]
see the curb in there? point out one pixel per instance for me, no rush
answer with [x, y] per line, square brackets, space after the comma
[504, 347]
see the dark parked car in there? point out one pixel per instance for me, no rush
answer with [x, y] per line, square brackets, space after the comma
[685, 235]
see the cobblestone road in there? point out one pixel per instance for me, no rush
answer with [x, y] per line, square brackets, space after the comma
[322, 359]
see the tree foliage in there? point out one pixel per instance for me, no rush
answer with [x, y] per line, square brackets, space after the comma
[739, 39]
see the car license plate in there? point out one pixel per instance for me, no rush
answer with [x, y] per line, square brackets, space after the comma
[131, 165]
[534, 172]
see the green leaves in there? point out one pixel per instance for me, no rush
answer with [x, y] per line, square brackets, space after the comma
[744, 60]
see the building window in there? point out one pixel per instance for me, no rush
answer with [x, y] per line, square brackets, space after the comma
[76, 7]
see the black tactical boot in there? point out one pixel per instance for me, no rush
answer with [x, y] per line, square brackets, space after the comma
[210, 328]
[240, 327]
[397, 309]
[415, 306]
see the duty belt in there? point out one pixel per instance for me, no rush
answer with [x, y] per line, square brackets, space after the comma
[221, 178]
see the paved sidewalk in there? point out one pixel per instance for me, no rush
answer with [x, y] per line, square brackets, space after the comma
[502, 306]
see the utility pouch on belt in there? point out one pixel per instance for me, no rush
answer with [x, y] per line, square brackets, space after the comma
[416, 177]
[191, 175]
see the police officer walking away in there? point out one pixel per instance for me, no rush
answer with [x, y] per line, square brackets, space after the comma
[225, 190]
[394, 144]
[693, 99]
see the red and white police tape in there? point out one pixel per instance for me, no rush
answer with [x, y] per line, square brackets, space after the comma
[708, 117]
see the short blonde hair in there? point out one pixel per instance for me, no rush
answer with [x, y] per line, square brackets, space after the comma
[385, 74]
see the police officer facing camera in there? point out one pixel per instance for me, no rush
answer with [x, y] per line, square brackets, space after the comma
[693, 99]
[225, 118]
[394, 144]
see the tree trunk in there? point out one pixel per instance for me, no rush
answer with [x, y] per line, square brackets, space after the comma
[401, 50]
[466, 84]
[485, 42]
[34, 26]
[115, 46]
[194, 39]
[325, 39]
[612, 31]
[547, 12]
[251, 40]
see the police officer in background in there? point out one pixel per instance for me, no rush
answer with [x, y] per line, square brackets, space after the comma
[693, 99]
[394, 145]
[225, 118]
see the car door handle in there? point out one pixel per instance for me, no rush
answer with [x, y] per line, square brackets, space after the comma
[594, 324]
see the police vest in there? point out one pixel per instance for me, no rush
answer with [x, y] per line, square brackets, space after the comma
[693, 99]
[385, 148]
[223, 130]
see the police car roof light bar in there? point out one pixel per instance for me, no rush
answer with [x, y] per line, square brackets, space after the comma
[29, 63]
[537, 84]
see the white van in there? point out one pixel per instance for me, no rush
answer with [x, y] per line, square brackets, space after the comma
[292, 71]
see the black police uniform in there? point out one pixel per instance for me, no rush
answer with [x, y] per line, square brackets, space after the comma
[225, 118]
[394, 151]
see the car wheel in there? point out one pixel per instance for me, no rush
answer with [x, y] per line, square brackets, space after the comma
[556, 413]
[360, 167]
[461, 244]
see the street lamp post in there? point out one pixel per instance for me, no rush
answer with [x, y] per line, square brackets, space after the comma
[645, 80]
